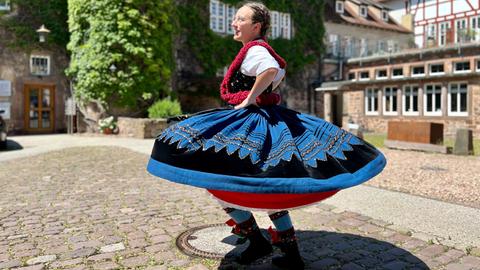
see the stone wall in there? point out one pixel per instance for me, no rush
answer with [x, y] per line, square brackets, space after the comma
[141, 128]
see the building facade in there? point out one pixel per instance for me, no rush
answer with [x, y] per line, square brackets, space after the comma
[33, 86]
[356, 28]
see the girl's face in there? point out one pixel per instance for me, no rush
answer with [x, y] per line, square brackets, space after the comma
[243, 28]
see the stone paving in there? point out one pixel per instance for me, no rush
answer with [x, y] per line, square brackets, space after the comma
[98, 208]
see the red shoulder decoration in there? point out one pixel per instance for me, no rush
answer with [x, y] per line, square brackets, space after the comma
[238, 97]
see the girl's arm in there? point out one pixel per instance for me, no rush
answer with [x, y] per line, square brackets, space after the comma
[261, 83]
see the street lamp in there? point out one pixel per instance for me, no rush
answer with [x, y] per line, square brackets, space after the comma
[42, 33]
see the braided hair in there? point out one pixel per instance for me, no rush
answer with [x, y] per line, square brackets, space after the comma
[261, 15]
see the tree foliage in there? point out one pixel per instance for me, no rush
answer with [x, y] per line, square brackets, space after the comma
[135, 36]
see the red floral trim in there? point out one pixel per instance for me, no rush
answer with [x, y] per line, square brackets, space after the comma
[238, 97]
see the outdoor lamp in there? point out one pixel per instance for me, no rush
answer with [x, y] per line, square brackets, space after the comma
[42, 33]
[113, 68]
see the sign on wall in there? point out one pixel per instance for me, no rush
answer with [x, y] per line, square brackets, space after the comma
[5, 88]
[5, 106]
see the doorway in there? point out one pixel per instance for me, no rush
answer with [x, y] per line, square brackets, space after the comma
[337, 109]
[39, 108]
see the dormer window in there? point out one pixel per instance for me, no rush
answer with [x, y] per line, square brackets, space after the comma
[363, 11]
[339, 6]
[385, 15]
[5, 5]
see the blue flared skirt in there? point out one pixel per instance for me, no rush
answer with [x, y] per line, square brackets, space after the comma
[246, 156]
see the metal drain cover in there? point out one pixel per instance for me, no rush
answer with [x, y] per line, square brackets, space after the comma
[212, 241]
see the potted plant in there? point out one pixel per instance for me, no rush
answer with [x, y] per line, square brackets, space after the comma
[107, 125]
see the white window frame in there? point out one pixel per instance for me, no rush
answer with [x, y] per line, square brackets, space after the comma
[364, 8]
[394, 95]
[417, 75]
[5, 5]
[475, 26]
[339, 6]
[215, 18]
[230, 13]
[40, 57]
[374, 95]
[397, 76]
[464, 26]
[385, 15]
[449, 99]
[461, 71]
[360, 76]
[435, 73]
[431, 32]
[377, 72]
[275, 24]
[285, 23]
[443, 28]
[404, 99]
[425, 93]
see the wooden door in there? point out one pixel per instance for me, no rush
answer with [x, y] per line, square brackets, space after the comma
[39, 108]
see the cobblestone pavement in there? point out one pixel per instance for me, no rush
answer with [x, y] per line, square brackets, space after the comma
[443, 177]
[98, 208]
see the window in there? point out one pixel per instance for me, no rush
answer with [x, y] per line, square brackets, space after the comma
[397, 73]
[478, 65]
[285, 25]
[410, 100]
[351, 76]
[363, 11]
[339, 6]
[275, 25]
[217, 16]
[381, 46]
[444, 27]
[432, 32]
[381, 74]
[437, 69]
[363, 47]
[475, 27]
[418, 71]
[5, 5]
[333, 44]
[40, 65]
[230, 14]
[461, 67]
[457, 99]
[364, 76]
[385, 15]
[433, 100]
[461, 30]
[371, 101]
[390, 101]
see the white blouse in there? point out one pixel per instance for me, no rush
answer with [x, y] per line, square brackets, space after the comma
[257, 60]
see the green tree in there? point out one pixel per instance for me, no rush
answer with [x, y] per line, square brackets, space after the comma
[135, 36]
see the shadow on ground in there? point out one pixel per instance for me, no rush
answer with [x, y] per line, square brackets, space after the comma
[12, 145]
[331, 250]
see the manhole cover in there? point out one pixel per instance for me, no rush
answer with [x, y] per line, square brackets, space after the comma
[212, 241]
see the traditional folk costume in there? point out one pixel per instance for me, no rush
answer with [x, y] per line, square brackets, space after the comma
[264, 158]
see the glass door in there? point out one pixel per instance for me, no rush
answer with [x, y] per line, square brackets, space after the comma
[39, 108]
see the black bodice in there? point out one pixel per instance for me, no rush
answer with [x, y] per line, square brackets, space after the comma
[241, 82]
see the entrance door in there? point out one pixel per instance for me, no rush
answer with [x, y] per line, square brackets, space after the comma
[39, 108]
[337, 109]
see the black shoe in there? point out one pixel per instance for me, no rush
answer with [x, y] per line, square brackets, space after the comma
[259, 247]
[291, 259]
[287, 243]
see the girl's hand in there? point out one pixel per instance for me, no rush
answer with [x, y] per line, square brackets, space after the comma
[246, 102]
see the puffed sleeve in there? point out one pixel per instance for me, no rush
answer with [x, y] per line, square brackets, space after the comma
[257, 60]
